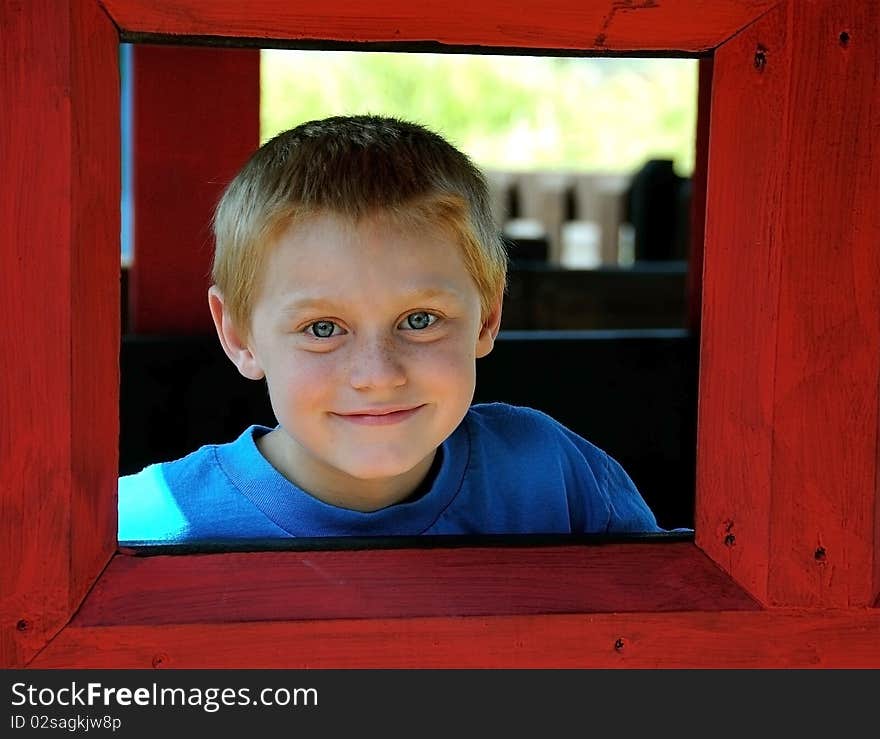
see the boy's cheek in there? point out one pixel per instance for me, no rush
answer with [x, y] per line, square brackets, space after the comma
[313, 374]
[301, 382]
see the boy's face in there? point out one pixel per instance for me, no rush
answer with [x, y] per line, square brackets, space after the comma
[367, 336]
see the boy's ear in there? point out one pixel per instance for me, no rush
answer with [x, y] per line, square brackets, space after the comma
[489, 330]
[230, 339]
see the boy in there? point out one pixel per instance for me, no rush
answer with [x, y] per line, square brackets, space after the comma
[357, 269]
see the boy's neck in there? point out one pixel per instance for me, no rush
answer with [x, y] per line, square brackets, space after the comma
[335, 487]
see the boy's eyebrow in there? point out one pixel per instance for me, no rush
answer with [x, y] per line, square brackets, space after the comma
[308, 302]
[426, 293]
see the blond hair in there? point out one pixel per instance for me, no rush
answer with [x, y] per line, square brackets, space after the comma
[355, 167]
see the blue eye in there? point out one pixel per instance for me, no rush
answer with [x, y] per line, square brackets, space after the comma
[322, 329]
[419, 320]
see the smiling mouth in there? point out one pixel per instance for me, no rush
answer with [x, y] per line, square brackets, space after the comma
[380, 418]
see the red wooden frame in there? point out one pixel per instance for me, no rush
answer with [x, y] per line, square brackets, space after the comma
[787, 549]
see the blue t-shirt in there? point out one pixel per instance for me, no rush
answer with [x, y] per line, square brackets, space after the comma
[504, 470]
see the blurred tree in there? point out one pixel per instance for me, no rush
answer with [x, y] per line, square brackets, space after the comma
[507, 112]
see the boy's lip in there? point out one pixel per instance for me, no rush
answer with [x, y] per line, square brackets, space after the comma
[380, 416]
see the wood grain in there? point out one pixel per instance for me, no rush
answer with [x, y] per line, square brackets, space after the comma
[694, 285]
[755, 639]
[741, 264]
[59, 258]
[93, 318]
[788, 462]
[601, 25]
[260, 586]
[824, 546]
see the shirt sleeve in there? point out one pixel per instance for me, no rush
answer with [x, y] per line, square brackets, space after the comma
[148, 511]
[616, 498]
[628, 511]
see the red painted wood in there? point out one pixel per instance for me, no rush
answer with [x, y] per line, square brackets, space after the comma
[680, 25]
[698, 196]
[828, 346]
[754, 639]
[408, 583]
[791, 332]
[741, 264]
[59, 260]
[196, 119]
[95, 302]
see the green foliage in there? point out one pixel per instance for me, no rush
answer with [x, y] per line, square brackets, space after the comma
[507, 112]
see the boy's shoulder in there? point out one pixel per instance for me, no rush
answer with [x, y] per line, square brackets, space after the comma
[164, 500]
[149, 503]
[192, 466]
[523, 449]
[496, 412]
[528, 433]
[518, 422]
[525, 432]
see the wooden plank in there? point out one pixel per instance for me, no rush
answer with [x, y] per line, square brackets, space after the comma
[94, 325]
[698, 196]
[34, 256]
[59, 257]
[824, 548]
[677, 25]
[741, 264]
[261, 586]
[757, 639]
[196, 119]
[791, 328]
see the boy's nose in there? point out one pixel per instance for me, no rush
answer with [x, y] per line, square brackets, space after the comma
[376, 365]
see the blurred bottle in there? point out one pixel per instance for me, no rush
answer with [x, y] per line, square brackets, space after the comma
[654, 202]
